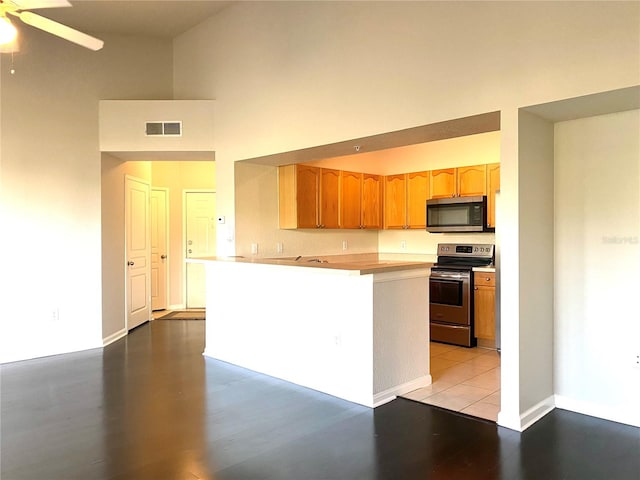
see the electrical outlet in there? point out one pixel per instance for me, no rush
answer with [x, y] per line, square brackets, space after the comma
[279, 247]
[55, 314]
[345, 245]
[636, 360]
[254, 249]
[403, 245]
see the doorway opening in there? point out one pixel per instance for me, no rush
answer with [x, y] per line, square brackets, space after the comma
[465, 380]
[172, 177]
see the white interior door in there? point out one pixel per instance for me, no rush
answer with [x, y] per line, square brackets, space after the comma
[200, 241]
[159, 241]
[137, 252]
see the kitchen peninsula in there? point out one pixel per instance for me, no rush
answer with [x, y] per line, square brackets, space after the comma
[355, 327]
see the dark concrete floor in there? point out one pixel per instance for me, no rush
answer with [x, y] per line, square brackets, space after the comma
[150, 406]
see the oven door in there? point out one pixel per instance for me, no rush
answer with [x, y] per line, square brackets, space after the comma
[449, 297]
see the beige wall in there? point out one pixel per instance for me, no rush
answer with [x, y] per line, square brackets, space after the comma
[51, 185]
[178, 177]
[597, 242]
[292, 75]
[452, 152]
[283, 82]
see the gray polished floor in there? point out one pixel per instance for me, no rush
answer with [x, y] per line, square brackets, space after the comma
[150, 406]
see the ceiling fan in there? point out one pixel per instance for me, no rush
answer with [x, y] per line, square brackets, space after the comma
[20, 9]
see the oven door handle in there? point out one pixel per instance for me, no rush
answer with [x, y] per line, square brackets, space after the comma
[450, 276]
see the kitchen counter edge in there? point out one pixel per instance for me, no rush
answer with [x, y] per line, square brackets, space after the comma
[363, 267]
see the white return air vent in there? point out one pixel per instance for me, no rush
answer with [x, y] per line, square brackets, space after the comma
[163, 129]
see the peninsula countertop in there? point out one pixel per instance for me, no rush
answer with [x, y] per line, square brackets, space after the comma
[359, 264]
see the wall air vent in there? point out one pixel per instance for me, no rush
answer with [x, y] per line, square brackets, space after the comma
[163, 129]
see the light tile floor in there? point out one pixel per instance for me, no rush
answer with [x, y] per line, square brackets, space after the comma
[466, 380]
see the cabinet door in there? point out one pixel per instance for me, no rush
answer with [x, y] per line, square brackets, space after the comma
[443, 183]
[417, 195]
[329, 198]
[287, 207]
[371, 201]
[485, 312]
[472, 181]
[350, 200]
[307, 195]
[395, 199]
[493, 185]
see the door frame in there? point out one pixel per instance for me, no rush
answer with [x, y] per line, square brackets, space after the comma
[183, 236]
[167, 238]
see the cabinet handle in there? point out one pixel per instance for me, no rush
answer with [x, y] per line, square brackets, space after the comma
[475, 288]
[488, 278]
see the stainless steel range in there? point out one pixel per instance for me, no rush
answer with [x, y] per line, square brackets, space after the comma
[450, 292]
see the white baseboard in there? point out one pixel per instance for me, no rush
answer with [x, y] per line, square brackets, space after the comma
[391, 393]
[521, 422]
[113, 337]
[619, 415]
[536, 412]
[178, 306]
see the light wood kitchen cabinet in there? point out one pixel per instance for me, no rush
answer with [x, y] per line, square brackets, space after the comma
[360, 200]
[405, 200]
[472, 180]
[493, 185]
[308, 196]
[459, 182]
[371, 201]
[484, 297]
[395, 201]
[443, 183]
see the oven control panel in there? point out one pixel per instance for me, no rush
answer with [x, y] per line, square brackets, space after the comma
[468, 250]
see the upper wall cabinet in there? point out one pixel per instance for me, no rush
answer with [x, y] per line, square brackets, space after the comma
[360, 200]
[405, 198]
[459, 182]
[308, 197]
[157, 126]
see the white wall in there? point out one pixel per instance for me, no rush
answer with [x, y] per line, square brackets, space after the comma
[291, 75]
[51, 185]
[535, 189]
[597, 265]
[123, 125]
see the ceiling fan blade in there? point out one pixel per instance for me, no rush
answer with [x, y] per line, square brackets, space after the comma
[60, 30]
[35, 4]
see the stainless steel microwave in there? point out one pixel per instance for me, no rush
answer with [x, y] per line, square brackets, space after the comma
[457, 214]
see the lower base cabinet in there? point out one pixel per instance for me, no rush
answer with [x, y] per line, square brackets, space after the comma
[484, 297]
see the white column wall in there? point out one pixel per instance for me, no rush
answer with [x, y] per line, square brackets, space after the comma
[535, 220]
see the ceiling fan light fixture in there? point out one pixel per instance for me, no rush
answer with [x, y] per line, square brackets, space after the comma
[8, 32]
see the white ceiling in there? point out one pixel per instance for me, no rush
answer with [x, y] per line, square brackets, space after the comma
[154, 18]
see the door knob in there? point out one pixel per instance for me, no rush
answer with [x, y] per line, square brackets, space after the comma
[130, 263]
[163, 257]
[189, 251]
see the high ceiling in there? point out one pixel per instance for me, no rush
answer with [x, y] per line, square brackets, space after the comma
[155, 18]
